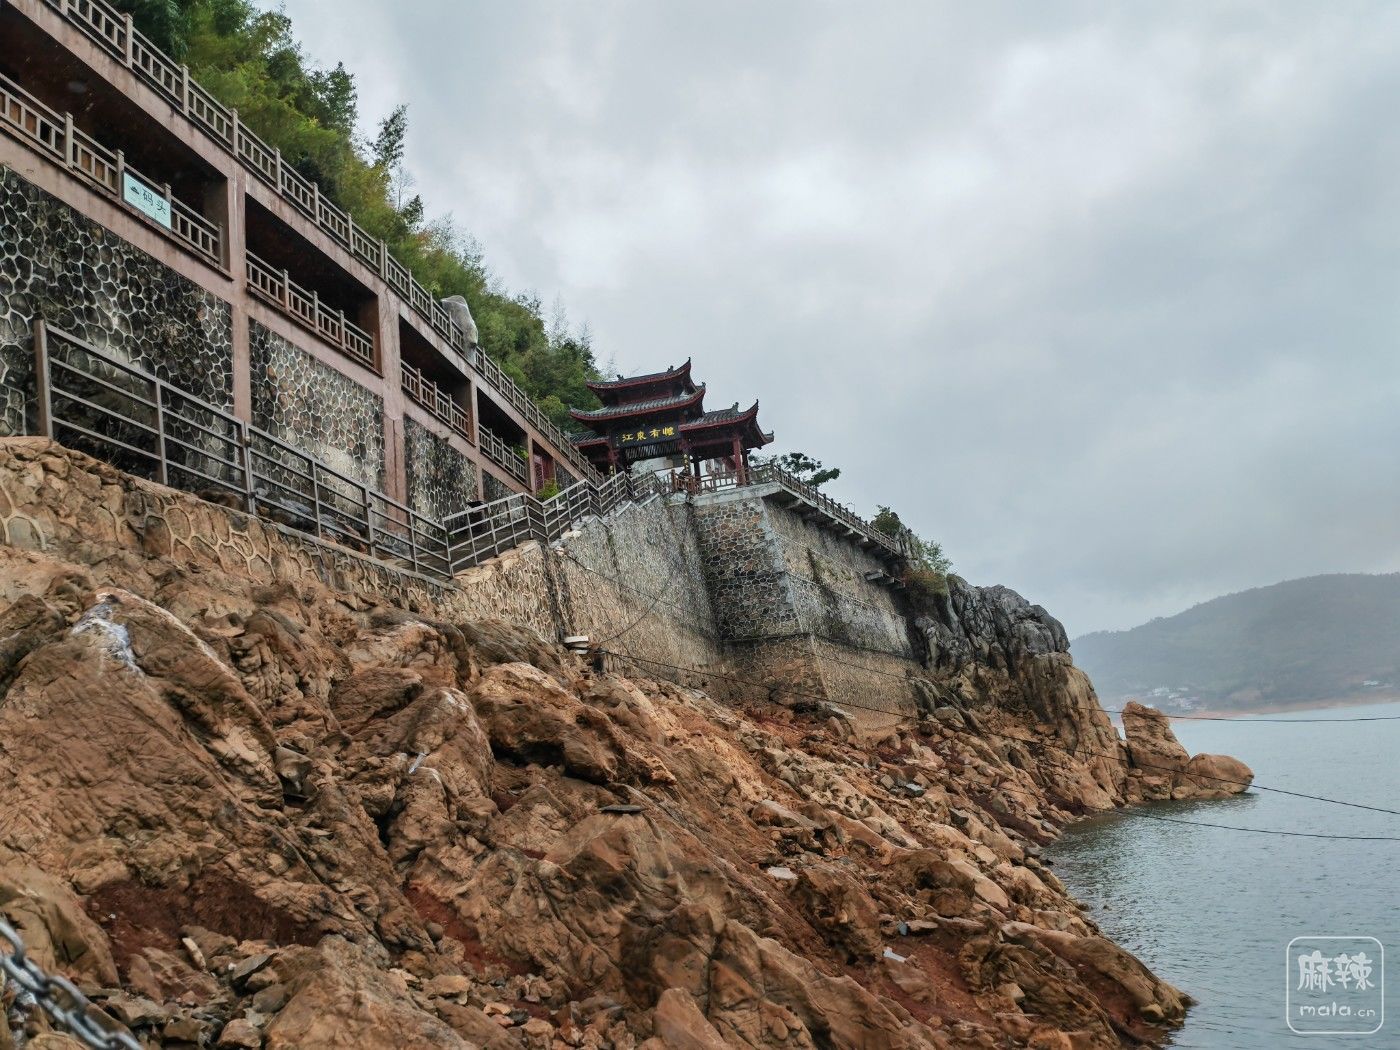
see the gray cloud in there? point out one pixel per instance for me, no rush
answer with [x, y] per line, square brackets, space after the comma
[1100, 296]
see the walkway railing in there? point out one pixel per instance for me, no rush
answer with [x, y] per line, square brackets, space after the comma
[306, 307]
[34, 123]
[114, 32]
[147, 427]
[483, 532]
[496, 377]
[769, 474]
[437, 401]
[502, 455]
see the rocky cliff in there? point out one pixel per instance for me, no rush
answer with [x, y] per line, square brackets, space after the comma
[247, 807]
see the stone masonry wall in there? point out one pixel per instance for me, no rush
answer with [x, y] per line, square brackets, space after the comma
[637, 587]
[798, 615]
[744, 568]
[834, 600]
[633, 583]
[493, 488]
[316, 409]
[441, 481]
[78, 276]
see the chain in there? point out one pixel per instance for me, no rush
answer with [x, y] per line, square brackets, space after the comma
[52, 991]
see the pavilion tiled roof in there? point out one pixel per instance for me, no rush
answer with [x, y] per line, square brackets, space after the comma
[676, 372]
[722, 416]
[636, 408]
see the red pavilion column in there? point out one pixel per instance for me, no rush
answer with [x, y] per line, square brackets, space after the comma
[739, 462]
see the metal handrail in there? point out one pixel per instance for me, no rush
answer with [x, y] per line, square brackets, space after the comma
[484, 531]
[114, 31]
[55, 134]
[276, 287]
[149, 427]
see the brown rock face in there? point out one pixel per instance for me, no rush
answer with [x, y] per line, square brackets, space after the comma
[274, 813]
[1160, 768]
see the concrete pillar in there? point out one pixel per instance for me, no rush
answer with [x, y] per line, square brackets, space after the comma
[386, 336]
[226, 203]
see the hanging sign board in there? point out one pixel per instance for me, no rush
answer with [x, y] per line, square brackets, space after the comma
[646, 436]
[145, 200]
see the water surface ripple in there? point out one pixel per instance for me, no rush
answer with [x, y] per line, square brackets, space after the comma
[1212, 911]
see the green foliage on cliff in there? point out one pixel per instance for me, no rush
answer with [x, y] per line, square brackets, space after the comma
[249, 59]
[926, 577]
[807, 470]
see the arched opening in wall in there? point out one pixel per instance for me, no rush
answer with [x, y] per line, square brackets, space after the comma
[503, 441]
[295, 277]
[60, 107]
[431, 382]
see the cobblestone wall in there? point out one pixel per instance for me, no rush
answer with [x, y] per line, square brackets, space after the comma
[792, 601]
[81, 278]
[744, 568]
[441, 481]
[493, 488]
[868, 682]
[519, 586]
[633, 583]
[313, 407]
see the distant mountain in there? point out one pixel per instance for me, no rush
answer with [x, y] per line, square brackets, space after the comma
[1321, 638]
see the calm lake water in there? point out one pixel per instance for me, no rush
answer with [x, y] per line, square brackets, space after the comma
[1213, 911]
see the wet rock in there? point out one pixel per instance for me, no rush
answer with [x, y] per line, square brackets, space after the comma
[1160, 768]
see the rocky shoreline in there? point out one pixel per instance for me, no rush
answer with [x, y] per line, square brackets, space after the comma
[253, 812]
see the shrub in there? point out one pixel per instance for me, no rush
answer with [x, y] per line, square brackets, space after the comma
[925, 575]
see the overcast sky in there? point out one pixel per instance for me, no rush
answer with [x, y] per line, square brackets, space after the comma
[1102, 296]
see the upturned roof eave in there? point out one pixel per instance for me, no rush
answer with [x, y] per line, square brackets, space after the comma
[609, 413]
[603, 386]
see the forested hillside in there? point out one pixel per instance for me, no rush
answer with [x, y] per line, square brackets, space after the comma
[250, 59]
[1319, 638]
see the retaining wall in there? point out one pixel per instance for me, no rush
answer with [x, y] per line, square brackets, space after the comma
[796, 609]
[704, 594]
[60, 266]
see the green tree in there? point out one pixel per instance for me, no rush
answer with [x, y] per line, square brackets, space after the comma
[927, 567]
[807, 470]
[249, 59]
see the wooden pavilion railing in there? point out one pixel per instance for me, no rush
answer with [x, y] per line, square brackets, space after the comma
[152, 429]
[502, 455]
[437, 401]
[114, 32]
[281, 291]
[34, 123]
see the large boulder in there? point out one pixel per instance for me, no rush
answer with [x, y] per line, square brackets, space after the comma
[461, 314]
[1160, 768]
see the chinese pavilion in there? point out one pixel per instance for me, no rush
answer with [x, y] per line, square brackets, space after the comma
[658, 421]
